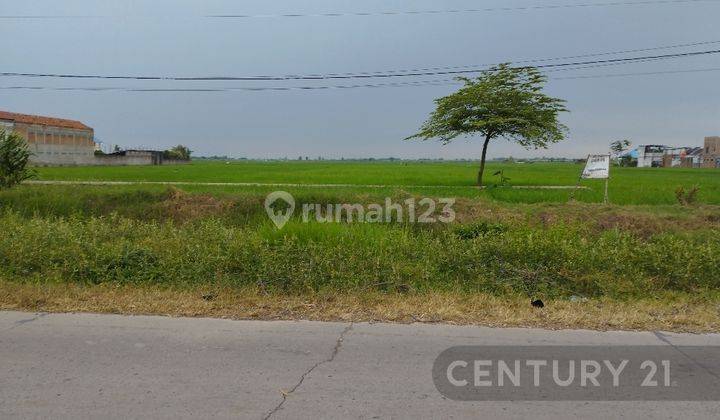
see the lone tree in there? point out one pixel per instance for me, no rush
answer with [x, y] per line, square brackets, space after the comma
[14, 158]
[505, 102]
[619, 146]
[178, 152]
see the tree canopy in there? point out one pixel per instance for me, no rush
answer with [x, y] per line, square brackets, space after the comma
[503, 102]
[178, 152]
[619, 146]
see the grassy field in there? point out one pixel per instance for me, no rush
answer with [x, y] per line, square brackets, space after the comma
[627, 186]
[645, 261]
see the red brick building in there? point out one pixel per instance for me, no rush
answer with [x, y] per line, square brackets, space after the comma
[53, 141]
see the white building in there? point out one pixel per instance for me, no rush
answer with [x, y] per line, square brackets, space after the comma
[650, 156]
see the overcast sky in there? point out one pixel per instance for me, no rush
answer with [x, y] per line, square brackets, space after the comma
[173, 38]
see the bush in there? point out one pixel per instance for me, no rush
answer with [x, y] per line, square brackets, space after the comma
[686, 198]
[14, 159]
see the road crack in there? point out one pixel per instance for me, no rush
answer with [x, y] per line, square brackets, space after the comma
[20, 322]
[662, 337]
[336, 350]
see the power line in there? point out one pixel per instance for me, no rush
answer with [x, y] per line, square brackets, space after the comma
[460, 11]
[232, 88]
[394, 12]
[593, 66]
[352, 75]
[647, 73]
[439, 82]
[541, 60]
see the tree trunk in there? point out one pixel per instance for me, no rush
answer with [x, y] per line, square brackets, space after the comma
[482, 161]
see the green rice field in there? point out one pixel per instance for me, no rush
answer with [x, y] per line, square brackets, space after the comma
[627, 185]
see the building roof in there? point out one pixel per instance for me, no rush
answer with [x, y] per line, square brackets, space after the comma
[686, 151]
[695, 151]
[632, 153]
[39, 120]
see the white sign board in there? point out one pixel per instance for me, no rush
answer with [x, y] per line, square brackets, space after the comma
[597, 167]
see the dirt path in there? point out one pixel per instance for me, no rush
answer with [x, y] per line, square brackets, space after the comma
[279, 184]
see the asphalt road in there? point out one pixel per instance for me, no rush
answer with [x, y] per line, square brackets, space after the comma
[107, 366]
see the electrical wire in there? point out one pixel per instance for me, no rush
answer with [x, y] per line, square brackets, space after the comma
[461, 11]
[392, 12]
[439, 82]
[350, 76]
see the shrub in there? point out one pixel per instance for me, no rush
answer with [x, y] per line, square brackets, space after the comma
[686, 198]
[14, 159]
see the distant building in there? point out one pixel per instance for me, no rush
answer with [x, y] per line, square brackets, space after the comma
[695, 155]
[53, 141]
[56, 141]
[683, 157]
[134, 157]
[711, 152]
[650, 156]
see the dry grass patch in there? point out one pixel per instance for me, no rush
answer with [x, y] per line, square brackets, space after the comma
[182, 207]
[643, 221]
[681, 313]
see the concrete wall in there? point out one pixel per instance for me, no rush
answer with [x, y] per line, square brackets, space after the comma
[119, 160]
[175, 162]
[136, 157]
[107, 160]
[58, 145]
[54, 154]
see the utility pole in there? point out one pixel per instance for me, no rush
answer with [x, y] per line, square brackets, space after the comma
[607, 181]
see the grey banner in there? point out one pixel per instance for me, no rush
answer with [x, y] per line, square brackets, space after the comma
[579, 373]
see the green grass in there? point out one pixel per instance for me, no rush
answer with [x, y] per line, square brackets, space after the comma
[506, 242]
[516, 260]
[628, 185]
[644, 261]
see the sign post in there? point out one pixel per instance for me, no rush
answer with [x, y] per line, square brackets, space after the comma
[607, 181]
[598, 167]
